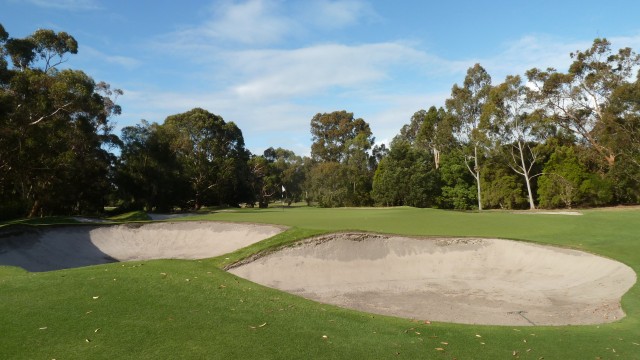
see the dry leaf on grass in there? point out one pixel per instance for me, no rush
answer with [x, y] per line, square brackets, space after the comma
[440, 349]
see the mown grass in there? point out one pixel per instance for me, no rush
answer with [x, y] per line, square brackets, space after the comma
[193, 309]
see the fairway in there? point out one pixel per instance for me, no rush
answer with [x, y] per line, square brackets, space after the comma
[193, 309]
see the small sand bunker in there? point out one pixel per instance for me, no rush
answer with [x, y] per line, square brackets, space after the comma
[67, 247]
[471, 281]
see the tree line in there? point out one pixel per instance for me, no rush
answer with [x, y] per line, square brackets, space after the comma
[547, 139]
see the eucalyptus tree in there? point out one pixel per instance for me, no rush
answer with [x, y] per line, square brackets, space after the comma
[212, 156]
[431, 130]
[149, 175]
[436, 133]
[341, 143]
[277, 174]
[515, 124]
[580, 100]
[55, 126]
[467, 105]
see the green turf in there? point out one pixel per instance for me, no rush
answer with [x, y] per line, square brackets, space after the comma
[131, 216]
[194, 310]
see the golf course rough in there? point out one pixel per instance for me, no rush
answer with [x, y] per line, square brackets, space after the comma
[459, 280]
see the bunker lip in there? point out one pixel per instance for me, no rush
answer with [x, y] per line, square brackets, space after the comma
[55, 248]
[459, 280]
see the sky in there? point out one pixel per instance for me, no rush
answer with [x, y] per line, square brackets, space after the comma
[271, 65]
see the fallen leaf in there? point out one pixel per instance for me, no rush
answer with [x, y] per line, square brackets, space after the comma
[263, 325]
[87, 340]
[325, 337]
[440, 349]
[515, 353]
[96, 297]
[478, 335]
[43, 328]
[96, 330]
[444, 343]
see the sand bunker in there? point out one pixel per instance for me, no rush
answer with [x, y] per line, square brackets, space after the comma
[67, 247]
[472, 281]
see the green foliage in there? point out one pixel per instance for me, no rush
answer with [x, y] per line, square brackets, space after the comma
[149, 175]
[326, 184]
[458, 190]
[503, 189]
[406, 177]
[212, 157]
[55, 130]
[567, 182]
[344, 143]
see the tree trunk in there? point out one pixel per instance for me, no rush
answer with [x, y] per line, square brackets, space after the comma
[525, 173]
[34, 209]
[477, 176]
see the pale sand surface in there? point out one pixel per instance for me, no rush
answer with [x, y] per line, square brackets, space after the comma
[67, 247]
[472, 281]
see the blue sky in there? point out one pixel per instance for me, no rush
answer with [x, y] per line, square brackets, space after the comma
[270, 65]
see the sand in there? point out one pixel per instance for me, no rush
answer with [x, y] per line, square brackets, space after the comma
[46, 249]
[470, 281]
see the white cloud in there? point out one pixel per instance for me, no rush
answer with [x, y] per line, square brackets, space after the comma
[331, 14]
[252, 22]
[316, 69]
[67, 4]
[269, 22]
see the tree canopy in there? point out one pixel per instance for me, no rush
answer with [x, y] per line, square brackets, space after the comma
[546, 139]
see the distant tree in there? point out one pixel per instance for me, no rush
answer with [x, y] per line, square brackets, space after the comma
[148, 174]
[567, 182]
[436, 133]
[513, 125]
[503, 188]
[458, 190]
[466, 105]
[406, 177]
[212, 155]
[326, 181]
[333, 136]
[274, 170]
[580, 101]
[345, 142]
[55, 128]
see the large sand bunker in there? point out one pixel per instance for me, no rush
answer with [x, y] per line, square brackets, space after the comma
[42, 249]
[473, 281]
